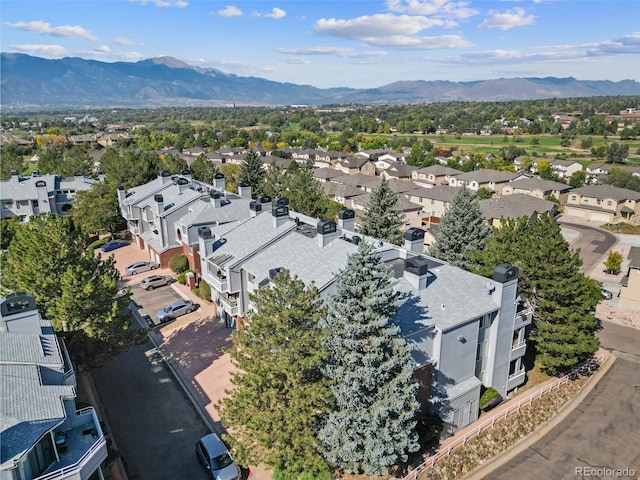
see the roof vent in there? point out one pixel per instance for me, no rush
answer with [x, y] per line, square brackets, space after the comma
[505, 273]
[346, 214]
[78, 173]
[417, 265]
[414, 234]
[164, 173]
[35, 173]
[41, 183]
[215, 195]
[185, 172]
[263, 199]
[274, 272]
[218, 176]
[244, 184]
[120, 187]
[204, 232]
[182, 181]
[356, 240]
[281, 201]
[280, 211]
[326, 226]
[158, 198]
[255, 206]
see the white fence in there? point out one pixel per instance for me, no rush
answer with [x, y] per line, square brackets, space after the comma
[490, 422]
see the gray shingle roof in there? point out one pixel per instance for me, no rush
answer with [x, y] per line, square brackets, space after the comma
[443, 193]
[487, 175]
[515, 206]
[232, 208]
[605, 191]
[536, 183]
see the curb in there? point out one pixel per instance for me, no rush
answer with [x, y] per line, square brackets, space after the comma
[117, 470]
[177, 374]
[484, 470]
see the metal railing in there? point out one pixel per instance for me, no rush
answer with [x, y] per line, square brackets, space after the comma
[490, 422]
[99, 443]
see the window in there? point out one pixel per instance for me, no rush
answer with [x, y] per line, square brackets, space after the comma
[574, 197]
[34, 203]
[482, 350]
[609, 203]
[433, 202]
[485, 321]
[7, 204]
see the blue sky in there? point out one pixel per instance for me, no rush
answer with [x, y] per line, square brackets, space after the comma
[346, 43]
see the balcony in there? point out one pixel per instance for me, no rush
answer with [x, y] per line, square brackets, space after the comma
[518, 350]
[216, 277]
[516, 379]
[86, 448]
[229, 303]
[523, 318]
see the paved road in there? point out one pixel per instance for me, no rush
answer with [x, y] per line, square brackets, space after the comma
[592, 242]
[154, 423]
[602, 431]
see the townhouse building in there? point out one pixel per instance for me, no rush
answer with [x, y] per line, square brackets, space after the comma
[460, 343]
[435, 201]
[494, 180]
[514, 206]
[163, 215]
[630, 289]
[537, 187]
[26, 197]
[434, 175]
[42, 434]
[604, 203]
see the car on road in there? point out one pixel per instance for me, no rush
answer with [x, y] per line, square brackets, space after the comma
[113, 245]
[176, 309]
[606, 294]
[138, 267]
[214, 456]
[154, 281]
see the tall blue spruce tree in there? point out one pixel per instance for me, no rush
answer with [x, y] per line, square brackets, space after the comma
[369, 367]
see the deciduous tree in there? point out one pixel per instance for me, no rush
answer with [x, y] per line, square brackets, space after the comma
[279, 394]
[96, 210]
[369, 367]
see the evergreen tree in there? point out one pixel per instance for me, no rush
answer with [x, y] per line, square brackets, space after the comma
[463, 230]
[78, 292]
[563, 298]
[278, 392]
[382, 219]
[306, 195]
[202, 169]
[273, 181]
[369, 367]
[251, 171]
[11, 160]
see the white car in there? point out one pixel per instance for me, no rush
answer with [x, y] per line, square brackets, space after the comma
[141, 267]
[154, 281]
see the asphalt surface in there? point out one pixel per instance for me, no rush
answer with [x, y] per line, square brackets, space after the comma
[592, 242]
[154, 424]
[603, 431]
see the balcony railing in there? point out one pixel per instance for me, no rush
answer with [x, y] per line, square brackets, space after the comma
[230, 304]
[515, 379]
[86, 448]
[518, 350]
[523, 318]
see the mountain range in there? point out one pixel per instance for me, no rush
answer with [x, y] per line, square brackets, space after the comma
[36, 83]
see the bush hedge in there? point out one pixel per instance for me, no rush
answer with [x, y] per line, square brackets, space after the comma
[487, 396]
[179, 263]
[182, 277]
[205, 291]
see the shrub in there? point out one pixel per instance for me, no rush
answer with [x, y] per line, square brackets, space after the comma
[182, 277]
[97, 244]
[487, 396]
[196, 292]
[178, 263]
[205, 291]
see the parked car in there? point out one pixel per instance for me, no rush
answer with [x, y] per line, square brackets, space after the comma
[141, 267]
[606, 294]
[113, 245]
[216, 459]
[176, 309]
[154, 281]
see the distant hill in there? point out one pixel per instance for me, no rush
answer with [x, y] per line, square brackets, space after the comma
[33, 82]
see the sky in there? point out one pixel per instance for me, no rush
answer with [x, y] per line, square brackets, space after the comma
[341, 43]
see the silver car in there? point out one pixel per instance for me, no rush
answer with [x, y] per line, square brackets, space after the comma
[176, 309]
[154, 281]
[139, 267]
[216, 459]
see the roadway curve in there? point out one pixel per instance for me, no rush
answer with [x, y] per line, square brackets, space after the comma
[592, 242]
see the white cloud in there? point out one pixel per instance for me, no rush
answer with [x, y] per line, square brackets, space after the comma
[44, 28]
[516, 17]
[627, 44]
[334, 51]
[163, 3]
[102, 49]
[296, 61]
[438, 8]
[123, 41]
[230, 11]
[50, 50]
[276, 13]
[104, 52]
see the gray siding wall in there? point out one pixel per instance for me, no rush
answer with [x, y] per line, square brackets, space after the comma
[458, 358]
